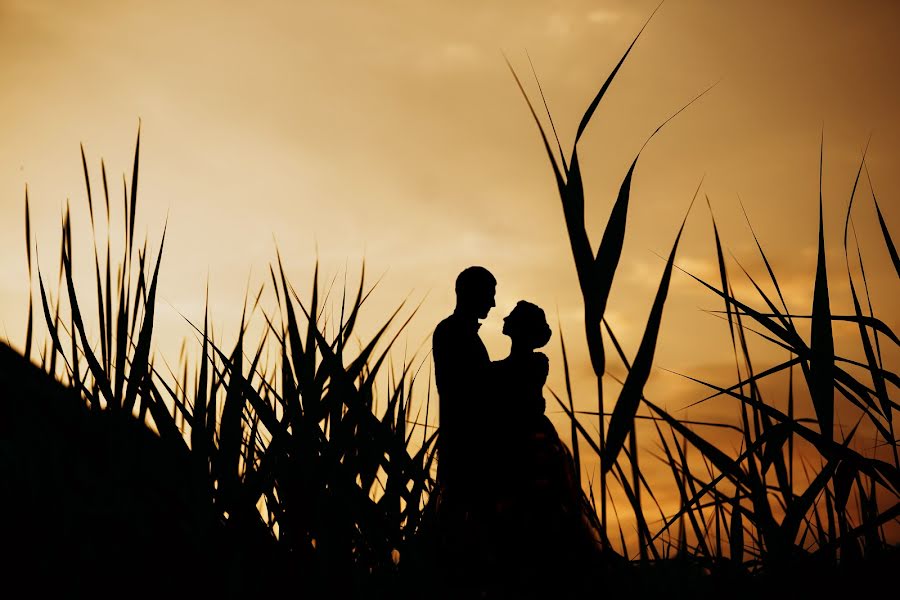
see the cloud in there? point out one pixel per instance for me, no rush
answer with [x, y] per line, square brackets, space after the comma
[451, 56]
[603, 17]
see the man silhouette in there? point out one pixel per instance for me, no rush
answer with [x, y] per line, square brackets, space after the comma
[461, 363]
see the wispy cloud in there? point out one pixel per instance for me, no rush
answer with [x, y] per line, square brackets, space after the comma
[603, 17]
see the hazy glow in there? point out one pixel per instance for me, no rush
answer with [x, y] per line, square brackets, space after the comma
[393, 131]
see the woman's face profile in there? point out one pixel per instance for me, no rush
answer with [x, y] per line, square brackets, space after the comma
[526, 325]
[512, 323]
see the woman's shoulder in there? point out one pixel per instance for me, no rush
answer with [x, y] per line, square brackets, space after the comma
[540, 360]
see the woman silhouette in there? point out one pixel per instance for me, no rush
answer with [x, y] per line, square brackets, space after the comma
[550, 530]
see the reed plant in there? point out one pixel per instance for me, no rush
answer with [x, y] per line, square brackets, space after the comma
[299, 464]
[754, 512]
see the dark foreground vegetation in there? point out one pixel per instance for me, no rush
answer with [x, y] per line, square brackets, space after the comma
[310, 475]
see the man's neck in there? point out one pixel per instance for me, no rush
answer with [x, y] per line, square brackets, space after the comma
[466, 316]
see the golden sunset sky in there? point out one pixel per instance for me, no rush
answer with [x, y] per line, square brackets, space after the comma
[393, 131]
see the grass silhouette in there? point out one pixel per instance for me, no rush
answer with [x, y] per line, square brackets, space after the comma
[240, 479]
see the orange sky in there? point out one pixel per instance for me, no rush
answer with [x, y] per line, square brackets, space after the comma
[394, 131]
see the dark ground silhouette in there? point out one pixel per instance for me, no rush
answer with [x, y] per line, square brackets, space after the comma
[95, 504]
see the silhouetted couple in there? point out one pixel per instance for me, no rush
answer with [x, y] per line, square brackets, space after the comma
[512, 519]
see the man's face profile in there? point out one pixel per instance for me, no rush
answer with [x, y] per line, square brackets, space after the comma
[475, 291]
[486, 301]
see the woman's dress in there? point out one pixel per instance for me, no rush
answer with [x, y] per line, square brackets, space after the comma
[550, 528]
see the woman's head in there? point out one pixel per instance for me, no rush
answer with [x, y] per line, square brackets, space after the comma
[527, 326]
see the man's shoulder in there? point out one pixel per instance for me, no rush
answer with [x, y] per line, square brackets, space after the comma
[446, 322]
[450, 326]
[441, 328]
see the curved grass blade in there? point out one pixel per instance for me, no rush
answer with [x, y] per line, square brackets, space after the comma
[134, 185]
[586, 118]
[51, 326]
[622, 419]
[754, 378]
[797, 509]
[29, 325]
[736, 531]
[679, 481]
[821, 343]
[723, 276]
[885, 232]
[877, 379]
[87, 183]
[885, 474]
[874, 323]
[562, 155]
[139, 363]
[201, 442]
[770, 271]
[576, 453]
[78, 324]
[558, 174]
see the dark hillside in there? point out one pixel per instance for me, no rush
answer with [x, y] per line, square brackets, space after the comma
[92, 502]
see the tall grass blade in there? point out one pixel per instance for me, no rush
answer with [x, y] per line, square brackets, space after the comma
[227, 458]
[75, 375]
[105, 188]
[874, 362]
[586, 118]
[350, 322]
[594, 289]
[576, 453]
[87, 183]
[783, 317]
[610, 250]
[134, 185]
[296, 345]
[29, 330]
[643, 529]
[690, 488]
[821, 363]
[108, 315]
[736, 531]
[884, 473]
[723, 277]
[51, 325]
[121, 342]
[558, 174]
[622, 419]
[874, 370]
[77, 322]
[769, 270]
[27, 231]
[562, 155]
[885, 232]
[142, 351]
[680, 480]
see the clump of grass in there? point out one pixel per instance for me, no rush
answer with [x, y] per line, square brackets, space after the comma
[298, 463]
[751, 512]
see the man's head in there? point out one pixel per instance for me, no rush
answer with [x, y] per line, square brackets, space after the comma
[475, 289]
